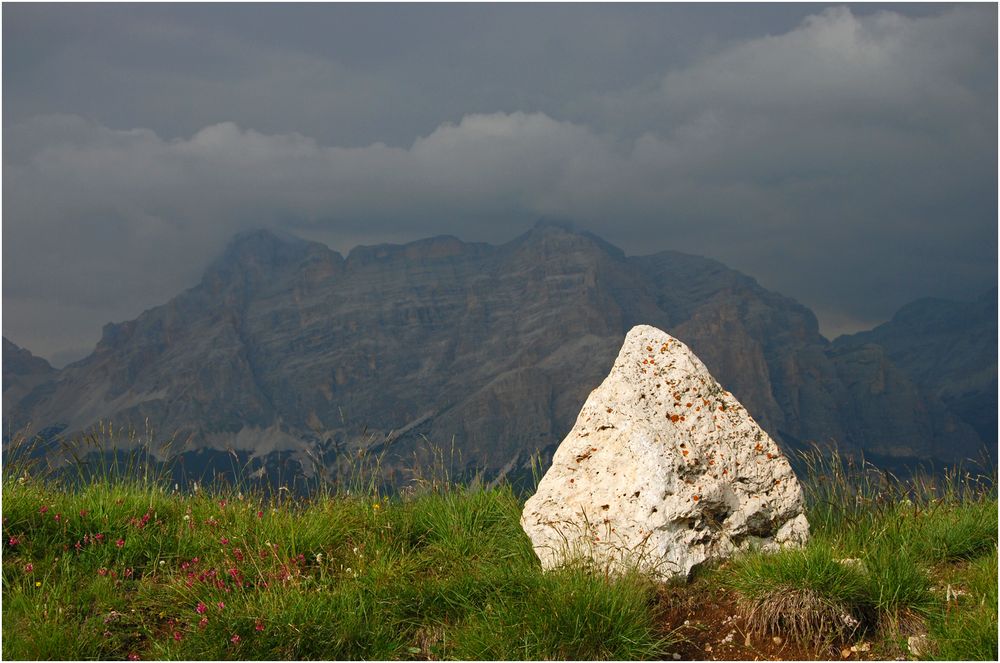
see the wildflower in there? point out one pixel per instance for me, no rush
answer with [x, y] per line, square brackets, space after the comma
[187, 517]
[14, 541]
[224, 541]
[221, 605]
[177, 636]
[120, 543]
[222, 504]
[203, 622]
[319, 558]
[376, 506]
[260, 514]
[128, 573]
[98, 537]
[38, 583]
[102, 572]
[29, 567]
[44, 509]
[57, 517]
[133, 657]
[258, 626]
[238, 554]
[235, 639]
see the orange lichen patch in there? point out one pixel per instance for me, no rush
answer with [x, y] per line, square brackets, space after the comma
[758, 448]
[682, 417]
[674, 418]
[609, 410]
[685, 452]
[705, 402]
[771, 456]
[649, 348]
[698, 409]
[725, 472]
[645, 361]
[711, 462]
[696, 497]
[687, 405]
[777, 481]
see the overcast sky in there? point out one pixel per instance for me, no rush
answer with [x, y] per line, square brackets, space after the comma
[844, 155]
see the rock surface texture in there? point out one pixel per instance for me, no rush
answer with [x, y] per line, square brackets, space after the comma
[663, 470]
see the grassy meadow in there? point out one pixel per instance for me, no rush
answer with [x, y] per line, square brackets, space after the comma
[123, 566]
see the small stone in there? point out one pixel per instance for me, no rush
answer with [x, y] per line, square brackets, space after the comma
[917, 645]
[845, 653]
[777, 640]
[708, 648]
[675, 656]
[866, 646]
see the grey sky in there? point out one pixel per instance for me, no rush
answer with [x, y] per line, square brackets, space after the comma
[843, 155]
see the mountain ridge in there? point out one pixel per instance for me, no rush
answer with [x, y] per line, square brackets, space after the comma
[285, 345]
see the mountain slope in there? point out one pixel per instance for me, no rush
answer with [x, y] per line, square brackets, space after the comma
[286, 345]
[949, 350]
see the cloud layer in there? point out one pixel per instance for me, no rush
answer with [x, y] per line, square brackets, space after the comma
[848, 162]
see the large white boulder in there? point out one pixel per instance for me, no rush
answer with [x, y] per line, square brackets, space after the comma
[663, 470]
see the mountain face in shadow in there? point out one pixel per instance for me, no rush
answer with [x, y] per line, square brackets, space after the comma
[286, 347]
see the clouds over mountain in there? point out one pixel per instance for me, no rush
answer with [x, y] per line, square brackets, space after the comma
[847, 161]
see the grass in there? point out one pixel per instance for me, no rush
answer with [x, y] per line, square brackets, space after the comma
[122, 565]
[119, 567]
[877, 546]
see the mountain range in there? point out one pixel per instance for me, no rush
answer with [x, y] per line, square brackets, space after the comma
[286, 348]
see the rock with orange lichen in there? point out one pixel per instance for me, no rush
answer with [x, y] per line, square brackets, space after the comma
[663, 470]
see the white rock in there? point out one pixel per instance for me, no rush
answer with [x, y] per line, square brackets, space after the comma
[663, 470]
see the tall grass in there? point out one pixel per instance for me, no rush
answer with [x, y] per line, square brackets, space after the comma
[878, 543]
[123, 565]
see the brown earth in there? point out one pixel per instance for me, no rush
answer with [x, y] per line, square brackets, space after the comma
[705, 624]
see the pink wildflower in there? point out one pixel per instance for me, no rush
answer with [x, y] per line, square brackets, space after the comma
[133, 657]
[120, 543]
[44, 509]
[259, 626]
[83, 512]
[260, 514]
[57, 517]
[102, 572]
[201, 608]
[224, 541]
[177, 636]
[203, 623]
[235, 639]
[29, 567]
[221, 605]
[14, 541]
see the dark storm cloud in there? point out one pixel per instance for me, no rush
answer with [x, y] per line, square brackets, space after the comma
[844, 157]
